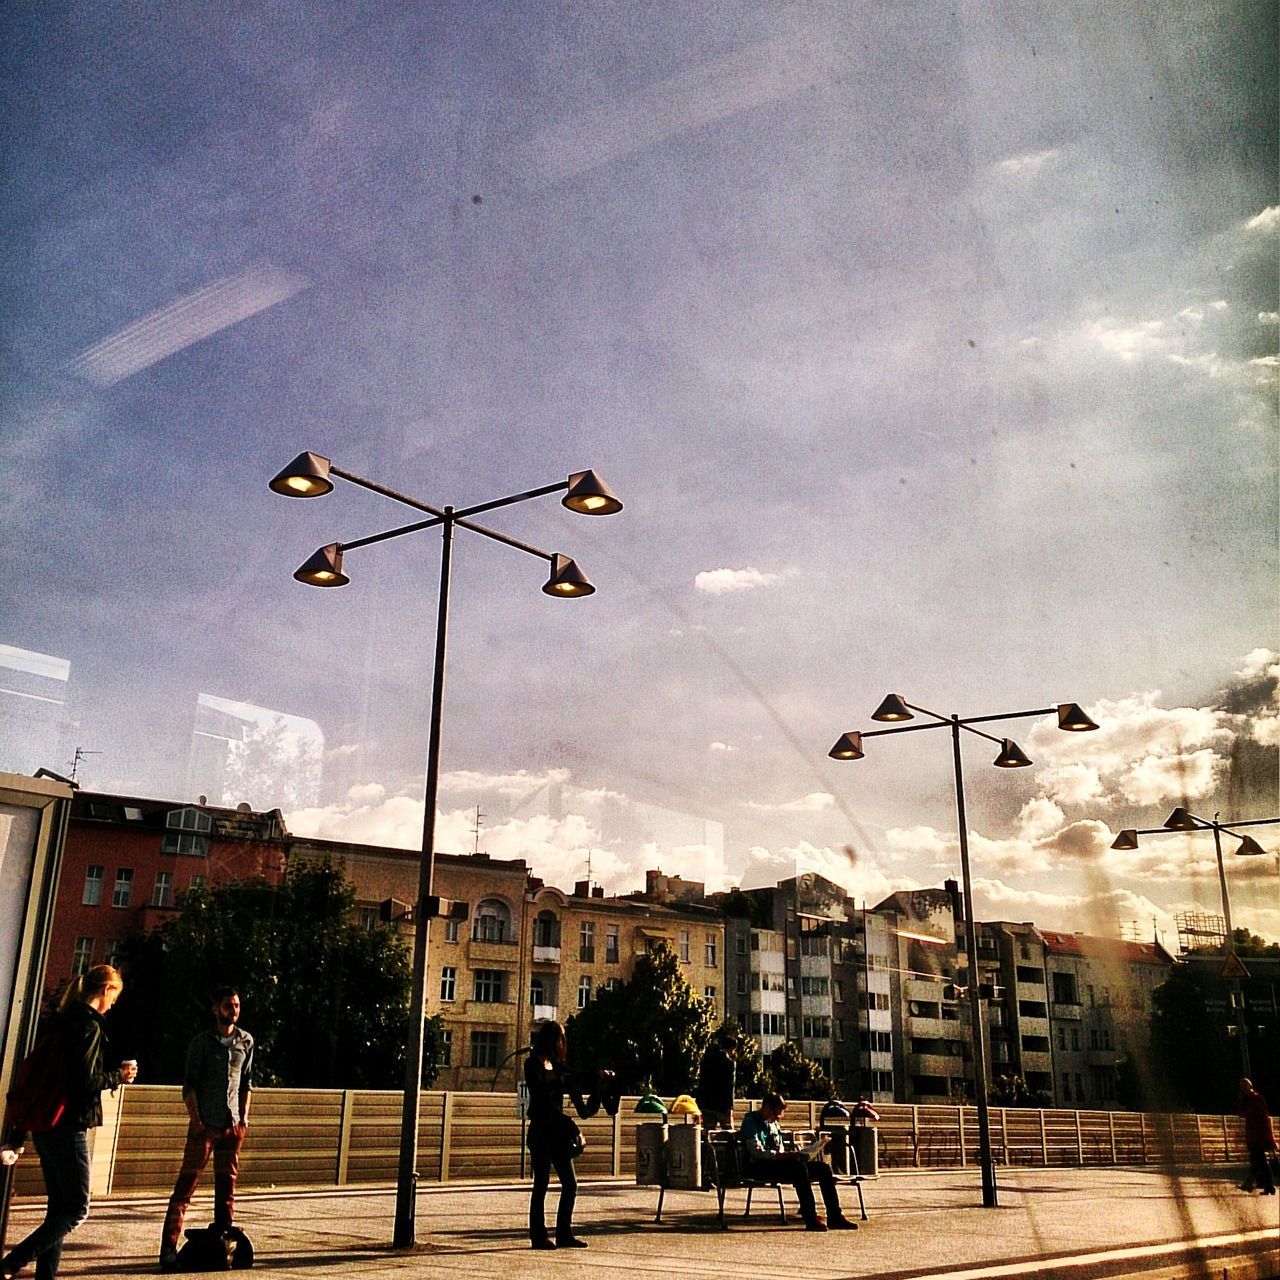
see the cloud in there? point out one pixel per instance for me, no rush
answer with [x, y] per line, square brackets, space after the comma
[718, 582]
[1267, 362]
[1267, 220]
[1072, 784]
[1028, 163]
[722, 746]
[184, 322]
[1100, 913]
[1038, 817]
[859, 877]
[1127, 342]
[1269, 317]
[1156, 778]
[814, 802]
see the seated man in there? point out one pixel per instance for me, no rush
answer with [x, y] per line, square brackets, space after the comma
[765, 1159]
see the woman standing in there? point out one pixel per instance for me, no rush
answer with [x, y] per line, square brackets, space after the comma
[552, 1135]
[64, 1149]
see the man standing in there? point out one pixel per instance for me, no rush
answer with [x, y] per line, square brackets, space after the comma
[762, 1143]
[1259, 1138]
[215, 1089]
[716, 1080]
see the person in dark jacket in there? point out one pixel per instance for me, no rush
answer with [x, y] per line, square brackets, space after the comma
[64, 1149]
[717, 1078]
[1259, 1138]
[551, 1134]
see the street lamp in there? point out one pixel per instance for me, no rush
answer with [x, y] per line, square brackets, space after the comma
[1182, 821]
[849, 747]
[311, 476]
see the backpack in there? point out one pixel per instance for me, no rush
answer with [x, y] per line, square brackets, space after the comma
[38, 1096]
[215, 1248]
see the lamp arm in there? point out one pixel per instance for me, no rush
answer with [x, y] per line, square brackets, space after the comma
[514, 498]
[392, 533]
[1250, 822]
[386, 493]
[503, 538]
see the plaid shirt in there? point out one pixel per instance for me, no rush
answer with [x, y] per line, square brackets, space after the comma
[219, 1075]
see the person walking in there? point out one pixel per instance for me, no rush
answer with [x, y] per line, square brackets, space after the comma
[761, 1139]
[82, 1047]
[717, 1077]
[215, 1088]
[553, 1136]
[1259, 1138]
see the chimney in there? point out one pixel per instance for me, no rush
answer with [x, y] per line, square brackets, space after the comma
[582, 889]
[597, 891]
[957, 907]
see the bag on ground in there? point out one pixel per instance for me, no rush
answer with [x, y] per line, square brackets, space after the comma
[215, 1248]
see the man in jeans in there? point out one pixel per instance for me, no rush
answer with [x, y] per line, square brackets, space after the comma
[215, 1089]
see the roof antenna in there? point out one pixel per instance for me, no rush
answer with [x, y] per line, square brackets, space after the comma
[80, 755]
[476, 829]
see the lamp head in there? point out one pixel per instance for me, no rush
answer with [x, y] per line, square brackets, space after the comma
[848, 747]
[1127, 839]
[323, 568]
[588, 495]
[1249, 847]
[307, 476]
[1011, 756]
[1180, 820]
[892, 708]
[566, 579]
[1072, 718]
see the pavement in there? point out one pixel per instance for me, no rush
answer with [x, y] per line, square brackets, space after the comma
[1051, 1224]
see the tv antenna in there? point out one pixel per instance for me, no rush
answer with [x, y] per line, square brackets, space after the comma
[475, 830]
[80, 755]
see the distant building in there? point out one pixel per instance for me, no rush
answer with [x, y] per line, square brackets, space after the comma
[126, 860]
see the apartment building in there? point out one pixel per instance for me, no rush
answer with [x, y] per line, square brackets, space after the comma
[126, 859]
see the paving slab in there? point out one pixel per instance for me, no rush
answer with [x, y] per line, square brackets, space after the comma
[1051, 1224]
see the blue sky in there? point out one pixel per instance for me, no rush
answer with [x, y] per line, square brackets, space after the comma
[931, 349]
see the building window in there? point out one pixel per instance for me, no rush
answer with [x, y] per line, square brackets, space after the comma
[197, 882]
[587, 942]
[113, 951]
[740, 944]
[711, 951]
[1066, 1086]
[486, 1048]
[1075, 1039]
[814, 986]
[837, 991]
[446, 1048]
[1079, 1087]
[584, 991]
[742, 984]
[1062, 1037]
[817, 1028]
[452, 928]
[546, 929]
[93, 877]
[122, 894]
[492, 922]
[449, 983]
[367, 918]
[187, 831]
[488, 986]
[709, 995]
[840, 1029]
[537, 990]
[162, 893]
[81, 956]
[611, 944]
[684, 945]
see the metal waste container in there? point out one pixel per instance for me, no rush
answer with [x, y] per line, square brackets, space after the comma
[865, 1138]
[651, 1146]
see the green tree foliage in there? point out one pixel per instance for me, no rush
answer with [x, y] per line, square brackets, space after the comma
[790, 1073]
[1194, 1063]
[1012, 1091]
[326, 1000]
[749, 1074]
[651, 1030]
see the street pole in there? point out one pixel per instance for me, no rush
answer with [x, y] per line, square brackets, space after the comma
[407, 1173]
[976, 1018]
[1237, 991]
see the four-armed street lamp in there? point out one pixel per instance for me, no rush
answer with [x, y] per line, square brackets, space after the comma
[310, 476]
[1182, 821]
[849, 747]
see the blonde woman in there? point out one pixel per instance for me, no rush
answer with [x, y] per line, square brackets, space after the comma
[64, 1149]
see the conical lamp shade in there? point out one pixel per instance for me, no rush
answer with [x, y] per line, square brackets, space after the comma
[307, 476]
[892, 708]
[324, 568]
[1127, 839]
[1071, 717]
[1249, 847]
[1180, 820]
[588, 495]
[566, 579]
[1011, 756]
[848, 747]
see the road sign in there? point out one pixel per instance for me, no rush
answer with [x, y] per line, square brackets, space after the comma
[1233, 967]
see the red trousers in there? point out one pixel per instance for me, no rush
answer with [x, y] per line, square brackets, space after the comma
[202, 1141]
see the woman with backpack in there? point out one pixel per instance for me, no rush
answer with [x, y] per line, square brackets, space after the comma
[79, 1055]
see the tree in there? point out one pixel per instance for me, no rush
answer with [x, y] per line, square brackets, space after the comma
[790, 1073]
[326, 1000]
[749, 1074]
[651, 1031]
[1013, 1091]
[1193, 1061]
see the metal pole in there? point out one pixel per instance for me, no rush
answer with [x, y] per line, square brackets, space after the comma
[976, 1019]
[407, 1174]
[1237, 991]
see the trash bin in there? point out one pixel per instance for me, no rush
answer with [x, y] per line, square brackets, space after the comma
[684, 1155]
[834, 1122]
[651, 1145]
[865, 1138]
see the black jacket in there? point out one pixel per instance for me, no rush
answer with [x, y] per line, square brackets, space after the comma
[716, 1080]
[548, 1084]
[84, 1039]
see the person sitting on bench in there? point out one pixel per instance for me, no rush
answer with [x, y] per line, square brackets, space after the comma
[766, 1161]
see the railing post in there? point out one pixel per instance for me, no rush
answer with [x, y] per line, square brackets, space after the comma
[1004, 1132]
[964, 1160]
[1079, 1140]
[446, 1134]
[344, 1136]
[915, 1131]
[1199, 1138]
[1044, 1142]
[1111, 1127]
[1226, 1141]
[617, 1143]
[1142, 1129]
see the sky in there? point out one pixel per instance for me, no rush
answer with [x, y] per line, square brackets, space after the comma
[932, 349]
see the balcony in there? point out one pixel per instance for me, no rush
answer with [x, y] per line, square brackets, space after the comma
[503, 949]
[546, 955]
[544, 1012]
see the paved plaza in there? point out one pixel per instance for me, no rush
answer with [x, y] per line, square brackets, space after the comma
[1050, 1224]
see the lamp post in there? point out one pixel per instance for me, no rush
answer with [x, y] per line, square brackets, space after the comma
[849, 747]
[310, 475]
[1180, 820]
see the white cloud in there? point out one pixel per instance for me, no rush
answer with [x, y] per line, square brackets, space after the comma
[1072, 784]
[864, 880]
[1126, 342]
[1267, 220]
[814, 802]
[1190, 313]
[1267, 362]
[520, 783]
[1269, 317]
[718, 582]
[1029, 162]
[1260, 662]
[1220, 305]
[1100, 913]
[1038, 817]
[1156, 778]
[722, 746]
